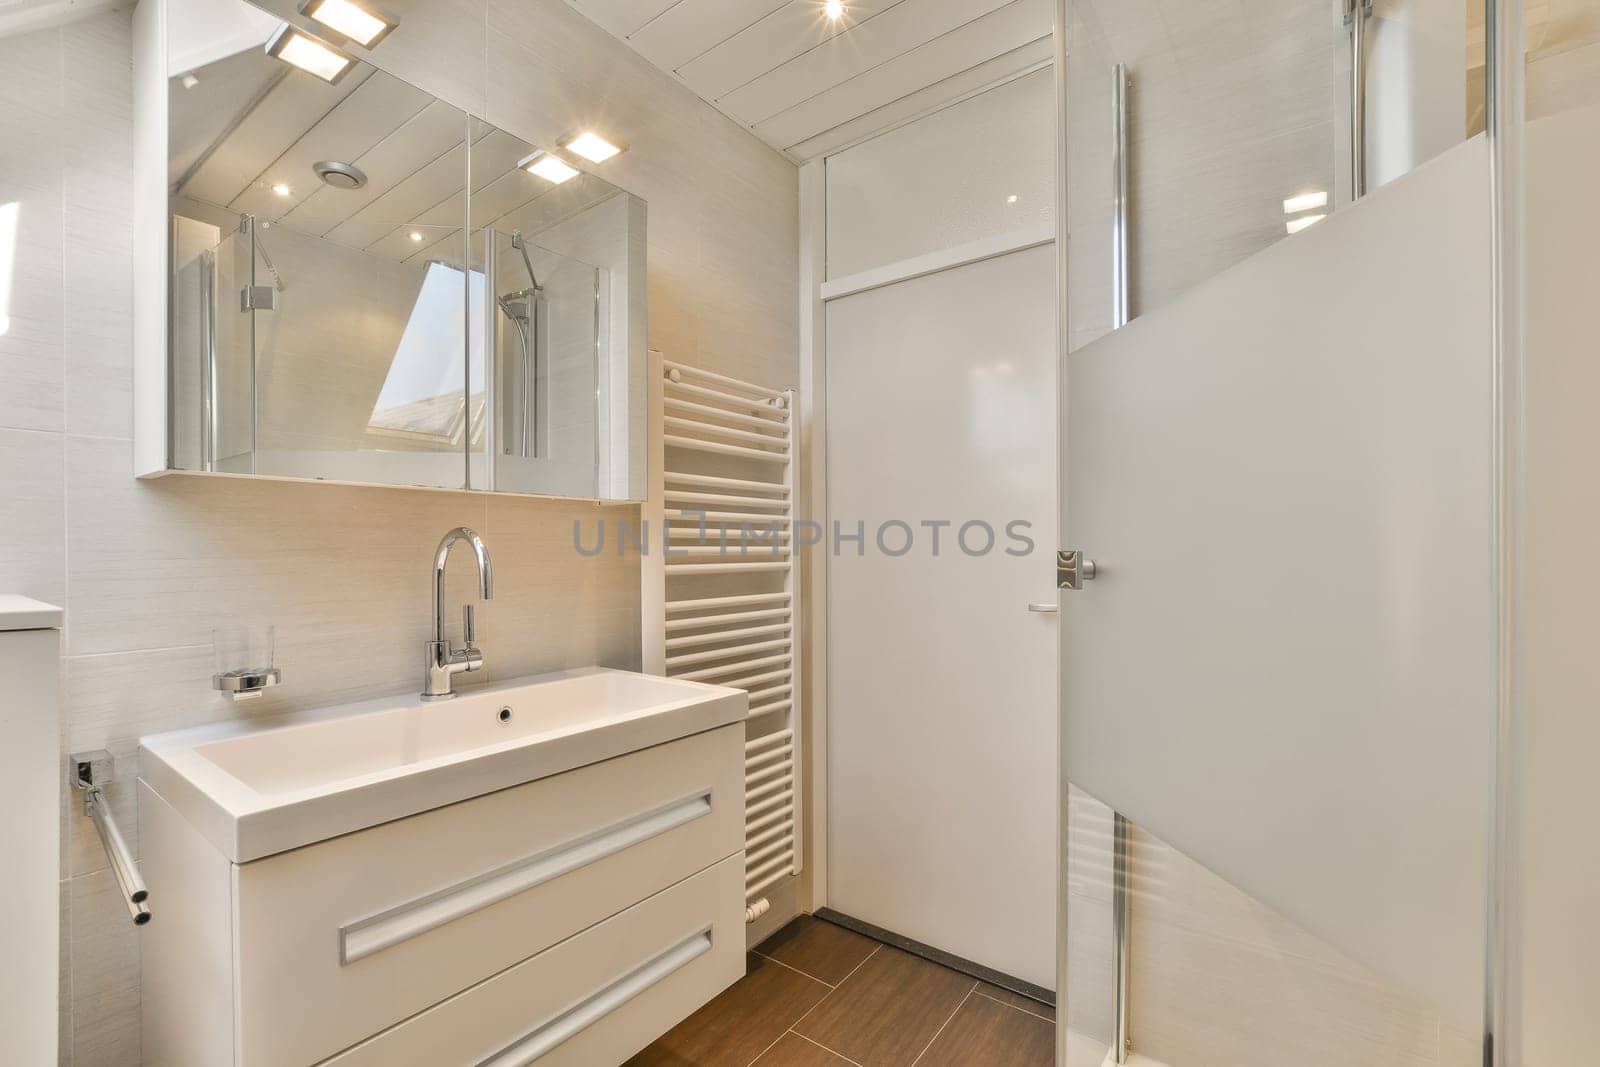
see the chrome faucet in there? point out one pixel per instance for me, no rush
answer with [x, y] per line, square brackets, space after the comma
[444, 662]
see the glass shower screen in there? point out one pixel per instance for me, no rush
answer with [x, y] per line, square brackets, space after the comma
[1278, 686]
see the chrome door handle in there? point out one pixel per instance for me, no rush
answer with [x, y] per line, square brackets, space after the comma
[1044, 609]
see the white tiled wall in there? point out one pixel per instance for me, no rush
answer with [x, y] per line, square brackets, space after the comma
[146, 569]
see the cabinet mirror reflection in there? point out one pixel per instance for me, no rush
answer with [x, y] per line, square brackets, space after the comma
[370, 285]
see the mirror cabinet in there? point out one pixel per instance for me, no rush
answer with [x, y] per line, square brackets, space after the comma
[343, 278]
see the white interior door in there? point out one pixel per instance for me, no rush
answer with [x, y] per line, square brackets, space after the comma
[941, 720]
[1283, 666]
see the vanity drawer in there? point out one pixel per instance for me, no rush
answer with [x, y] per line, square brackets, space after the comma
[340, 939]
[591, 1001]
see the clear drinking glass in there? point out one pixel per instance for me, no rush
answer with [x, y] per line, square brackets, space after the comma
[244, 659]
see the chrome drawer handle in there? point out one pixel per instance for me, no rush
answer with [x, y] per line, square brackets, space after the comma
[560, 1028]
[360, 939]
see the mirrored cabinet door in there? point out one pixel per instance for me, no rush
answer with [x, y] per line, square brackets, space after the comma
[318, 264]
[553, 241]
[366, 284]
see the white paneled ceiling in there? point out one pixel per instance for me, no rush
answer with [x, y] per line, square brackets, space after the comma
[28, 16]
[808, 85]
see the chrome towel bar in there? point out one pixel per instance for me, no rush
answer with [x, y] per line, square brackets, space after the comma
[87, 768]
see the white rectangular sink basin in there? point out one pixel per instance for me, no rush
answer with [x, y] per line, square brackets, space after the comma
[257, 789]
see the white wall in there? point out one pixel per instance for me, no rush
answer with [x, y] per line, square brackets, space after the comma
[147, 569]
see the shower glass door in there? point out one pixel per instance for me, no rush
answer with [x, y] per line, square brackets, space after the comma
[1277, 680]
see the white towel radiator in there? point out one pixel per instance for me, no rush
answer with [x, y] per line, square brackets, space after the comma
[721, 592]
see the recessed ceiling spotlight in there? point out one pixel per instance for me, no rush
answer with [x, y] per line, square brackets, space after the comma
[350, 20]
[1296, 225]
[298, 48]
[415, 236]
[1305, 202]
[834, 9]
[1012, 199]
[591, 146]
[189, 81]
[281, 189]
[552, 169]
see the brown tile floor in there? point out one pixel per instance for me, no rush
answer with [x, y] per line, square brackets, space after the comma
[818, 995]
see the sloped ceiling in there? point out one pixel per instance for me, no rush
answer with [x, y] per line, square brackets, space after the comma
[809, 86]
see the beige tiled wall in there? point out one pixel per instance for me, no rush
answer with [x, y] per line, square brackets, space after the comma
[147, 569]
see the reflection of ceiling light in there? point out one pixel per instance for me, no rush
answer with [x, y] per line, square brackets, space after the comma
[1305, 202]
[299, 48]
[415, 236]
[834, 9]
[350, 20]
[281, 189]
[591, 146]
[189, 81]
[1296, 225]
[551, 168]
[1012, 199]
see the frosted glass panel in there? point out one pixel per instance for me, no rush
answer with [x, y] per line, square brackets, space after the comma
[978, 168]
[1561, 686]
[1284, 667]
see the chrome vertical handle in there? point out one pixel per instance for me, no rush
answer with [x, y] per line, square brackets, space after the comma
[1356, 13]
[1121, 303]
[469, 625]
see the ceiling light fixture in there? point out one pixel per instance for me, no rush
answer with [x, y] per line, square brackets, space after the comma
[350, 20]
[281, 189]
[552, 169]
[415, 236]
[339, 175]
[834, 9]
[298, 48]
[1305, 202]
[591, 146]
[1296, 225]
